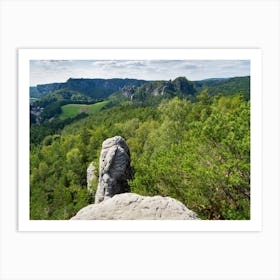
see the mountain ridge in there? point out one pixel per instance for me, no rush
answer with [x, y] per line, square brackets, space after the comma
[103, 88]
[97, 88]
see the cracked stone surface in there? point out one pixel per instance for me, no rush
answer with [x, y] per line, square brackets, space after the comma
[130, 206]
[114, 170]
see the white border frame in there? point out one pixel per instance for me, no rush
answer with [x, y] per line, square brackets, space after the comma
[254, 55]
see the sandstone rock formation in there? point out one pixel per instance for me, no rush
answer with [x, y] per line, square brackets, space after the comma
[90, 177]
[130, 206]
[114, 169]
[113, 200]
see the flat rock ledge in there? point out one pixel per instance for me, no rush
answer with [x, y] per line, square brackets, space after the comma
[130, 206]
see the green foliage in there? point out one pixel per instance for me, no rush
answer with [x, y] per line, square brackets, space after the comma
[227, 87]
[66, 94]
[152, 93]
[202, 160]
[197, 152]
[39, 131]
[58, 179]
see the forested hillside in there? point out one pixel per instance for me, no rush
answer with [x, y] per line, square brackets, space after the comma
[189, 145]
[226, 86]
[94, 88]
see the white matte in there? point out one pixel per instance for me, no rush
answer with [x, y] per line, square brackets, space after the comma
[254, 55]
[192, 24]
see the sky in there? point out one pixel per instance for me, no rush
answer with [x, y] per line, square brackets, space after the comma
[51, 71]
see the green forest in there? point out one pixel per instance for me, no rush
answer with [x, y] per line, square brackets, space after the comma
[188, 140]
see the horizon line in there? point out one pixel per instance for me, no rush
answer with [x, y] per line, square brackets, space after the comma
[140, 79]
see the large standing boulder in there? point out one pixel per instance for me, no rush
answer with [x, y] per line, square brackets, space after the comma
[114, 169]
[113, 200]
[130, 206]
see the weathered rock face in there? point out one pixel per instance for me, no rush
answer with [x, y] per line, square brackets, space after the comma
[114, 170]
[113, 200]
[90, 177]
[130, 206]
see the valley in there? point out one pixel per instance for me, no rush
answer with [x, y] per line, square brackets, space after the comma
[189, 140]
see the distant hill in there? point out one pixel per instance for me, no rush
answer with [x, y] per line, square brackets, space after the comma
[226, 86]
[48, 88]
[151, 93]
[46, 100]
[97, 89]
[94, 88]
[34, 92]
[65, 95]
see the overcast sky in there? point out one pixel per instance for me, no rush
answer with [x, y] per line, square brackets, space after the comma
[50, 71]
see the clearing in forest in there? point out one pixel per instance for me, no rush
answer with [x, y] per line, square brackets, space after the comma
[72, 110]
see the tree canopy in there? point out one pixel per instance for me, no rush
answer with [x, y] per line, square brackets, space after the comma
[196, 151]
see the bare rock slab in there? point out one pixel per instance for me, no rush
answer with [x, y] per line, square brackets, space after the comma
[130, 206]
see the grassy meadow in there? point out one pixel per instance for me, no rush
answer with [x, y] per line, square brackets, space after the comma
[72, 110]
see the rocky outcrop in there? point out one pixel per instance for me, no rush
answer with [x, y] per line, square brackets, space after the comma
[130, 206]
[113, 200]
[114, 169]
[90, 177]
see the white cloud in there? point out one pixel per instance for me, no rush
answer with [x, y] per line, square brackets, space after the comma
[49, 71]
